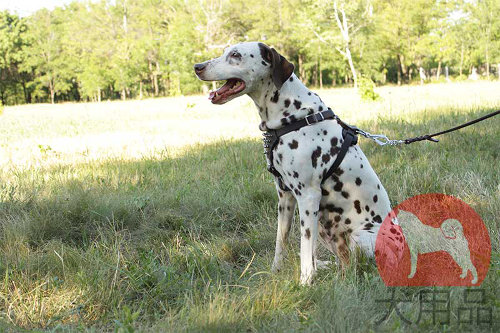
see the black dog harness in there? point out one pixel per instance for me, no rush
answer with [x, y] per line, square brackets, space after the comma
[350, 136]
[271, 139]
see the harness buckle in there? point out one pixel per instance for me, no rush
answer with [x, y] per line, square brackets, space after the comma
[352, 133]
[312, 121]
[307, 120]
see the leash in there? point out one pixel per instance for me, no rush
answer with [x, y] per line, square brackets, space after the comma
[350, 138]
[384, 140]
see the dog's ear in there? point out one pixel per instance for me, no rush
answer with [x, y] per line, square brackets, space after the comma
[282, 68]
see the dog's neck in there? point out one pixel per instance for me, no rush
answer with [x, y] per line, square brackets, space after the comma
[288, 104]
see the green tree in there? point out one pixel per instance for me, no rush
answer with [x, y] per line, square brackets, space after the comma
[12, 40]
[485, 15]
[402, 25]
[135, 48]
[45, 54]
[90, 52]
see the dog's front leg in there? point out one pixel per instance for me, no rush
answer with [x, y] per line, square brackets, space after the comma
[308, 209]
[413, 260]
[286, 209]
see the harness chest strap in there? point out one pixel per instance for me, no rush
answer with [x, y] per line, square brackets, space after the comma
[271, 139]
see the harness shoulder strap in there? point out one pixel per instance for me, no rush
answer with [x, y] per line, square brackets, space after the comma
[350, 139]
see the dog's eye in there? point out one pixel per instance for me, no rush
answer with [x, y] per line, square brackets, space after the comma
[235, 54]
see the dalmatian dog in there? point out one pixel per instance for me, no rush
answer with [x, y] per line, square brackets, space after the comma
[346, 210]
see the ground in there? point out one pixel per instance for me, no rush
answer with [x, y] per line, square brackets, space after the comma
[159, 214]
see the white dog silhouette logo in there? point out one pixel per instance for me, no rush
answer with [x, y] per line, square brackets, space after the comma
[433, 239]
[449, 237]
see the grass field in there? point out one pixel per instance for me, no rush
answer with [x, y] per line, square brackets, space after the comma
[158, 215]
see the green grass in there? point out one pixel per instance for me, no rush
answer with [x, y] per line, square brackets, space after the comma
[182, 239]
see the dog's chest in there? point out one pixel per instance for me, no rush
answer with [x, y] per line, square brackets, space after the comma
[302, 157]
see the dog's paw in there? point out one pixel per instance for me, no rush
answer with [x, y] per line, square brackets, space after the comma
[306, 280]
[276, 266]
[306, 277]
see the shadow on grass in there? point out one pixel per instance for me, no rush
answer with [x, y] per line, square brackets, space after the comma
[164, 235]
[218, 187]
[224, 186]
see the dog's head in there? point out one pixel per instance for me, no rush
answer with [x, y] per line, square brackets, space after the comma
[245, 66]
[452, 229]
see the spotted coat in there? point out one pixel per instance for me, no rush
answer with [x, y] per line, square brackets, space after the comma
[344, 212]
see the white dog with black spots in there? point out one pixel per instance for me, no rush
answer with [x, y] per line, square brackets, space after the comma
[343, 212]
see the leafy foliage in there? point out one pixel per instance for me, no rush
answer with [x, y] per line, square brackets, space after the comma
[140, 48]
[366, 89]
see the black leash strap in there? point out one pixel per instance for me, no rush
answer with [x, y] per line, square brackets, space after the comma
[383, 140]
[430, 136]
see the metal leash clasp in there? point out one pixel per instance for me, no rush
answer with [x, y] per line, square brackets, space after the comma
[380, 139]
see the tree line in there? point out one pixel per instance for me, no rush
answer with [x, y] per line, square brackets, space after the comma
[140, 48]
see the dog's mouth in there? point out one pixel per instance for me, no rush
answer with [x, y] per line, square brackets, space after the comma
[227, 91]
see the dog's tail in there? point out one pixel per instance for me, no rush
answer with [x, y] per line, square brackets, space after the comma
[452, 229]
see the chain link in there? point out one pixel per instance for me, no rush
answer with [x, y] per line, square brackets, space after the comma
[380, 139]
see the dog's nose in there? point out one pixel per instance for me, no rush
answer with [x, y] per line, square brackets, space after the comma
[198, 68]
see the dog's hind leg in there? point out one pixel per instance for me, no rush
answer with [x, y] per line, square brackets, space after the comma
[462, 258]
[474, 273]
[465, 269]
[286, 209]
[327, 243]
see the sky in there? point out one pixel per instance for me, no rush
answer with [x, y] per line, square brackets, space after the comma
[28, 7]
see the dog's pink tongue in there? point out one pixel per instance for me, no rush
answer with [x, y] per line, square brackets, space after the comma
[217, 95]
